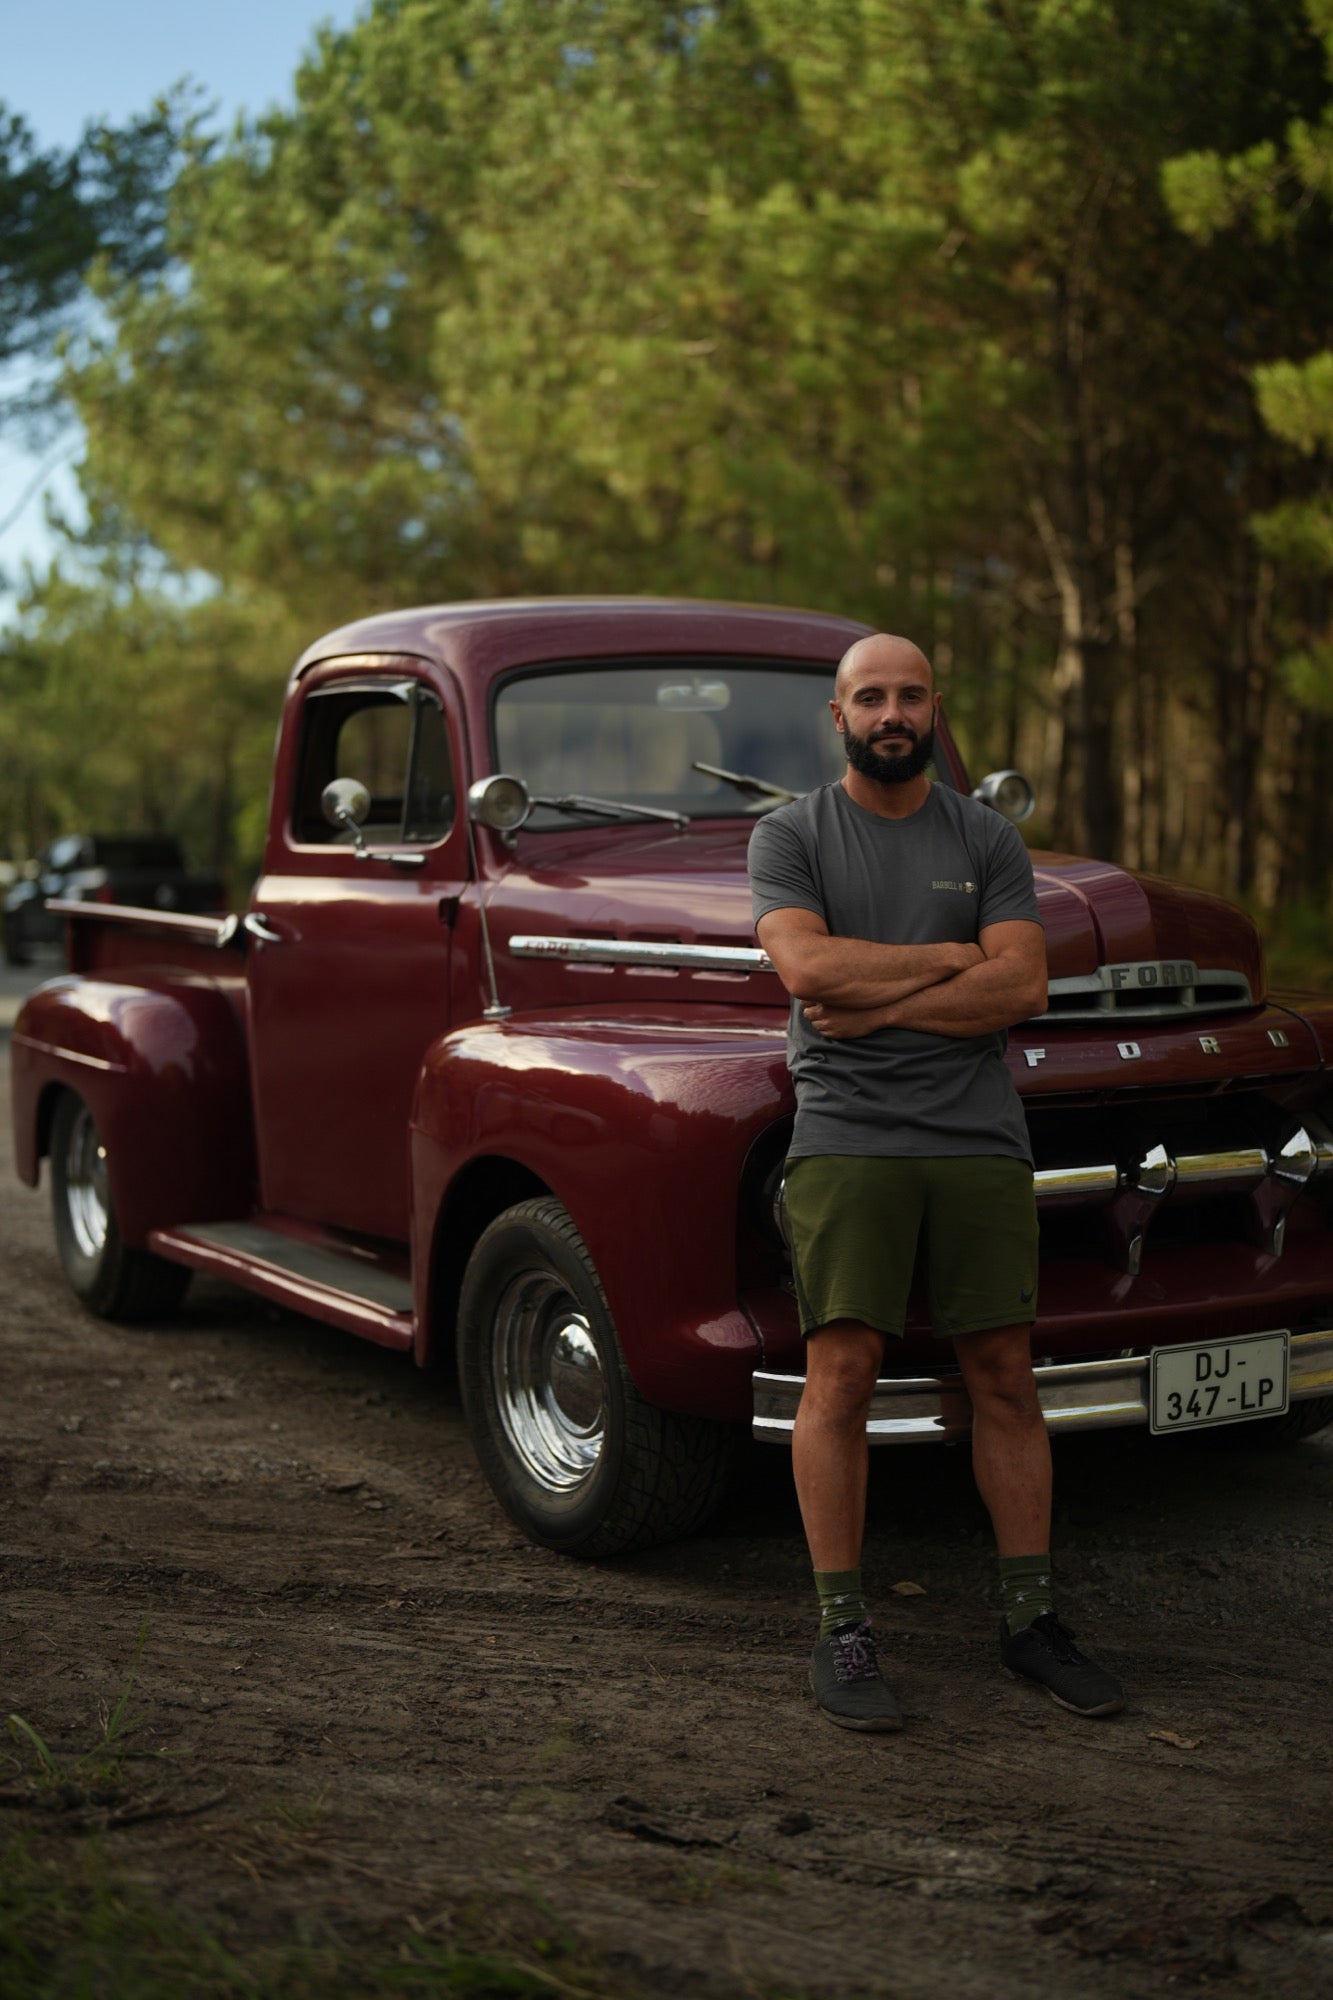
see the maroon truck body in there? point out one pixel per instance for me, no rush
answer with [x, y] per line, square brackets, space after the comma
[339, 1098]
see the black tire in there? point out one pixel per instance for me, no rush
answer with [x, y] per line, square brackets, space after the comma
[112, 1280]
[572, 1451]
[16, 948]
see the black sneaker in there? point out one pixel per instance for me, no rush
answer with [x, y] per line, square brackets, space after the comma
[1044, 1651]
[844, 1673]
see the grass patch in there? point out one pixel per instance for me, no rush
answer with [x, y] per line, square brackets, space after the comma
[701, 1881]
[299, 1816]
[73, 1928]
[111, 1784]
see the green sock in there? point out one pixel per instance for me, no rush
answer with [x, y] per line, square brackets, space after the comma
[1025, 1586]
[840, 1599]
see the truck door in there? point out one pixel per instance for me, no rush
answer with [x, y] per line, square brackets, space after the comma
[348, 950]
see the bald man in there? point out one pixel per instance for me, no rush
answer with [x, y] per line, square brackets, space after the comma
[902, 919]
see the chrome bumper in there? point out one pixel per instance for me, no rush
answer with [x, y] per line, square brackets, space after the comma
[1075, 1396]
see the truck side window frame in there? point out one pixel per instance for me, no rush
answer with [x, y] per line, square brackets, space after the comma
[427, 799]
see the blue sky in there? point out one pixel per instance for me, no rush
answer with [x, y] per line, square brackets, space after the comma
[63, 62]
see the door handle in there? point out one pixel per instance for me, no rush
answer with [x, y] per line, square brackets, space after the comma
[253, 922]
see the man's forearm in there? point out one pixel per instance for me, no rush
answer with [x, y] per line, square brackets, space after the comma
[851, 972]
[993, 995]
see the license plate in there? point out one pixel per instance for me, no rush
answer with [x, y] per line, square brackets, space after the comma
[1221, 1382]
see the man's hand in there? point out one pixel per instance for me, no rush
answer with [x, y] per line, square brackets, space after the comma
[844, 1024]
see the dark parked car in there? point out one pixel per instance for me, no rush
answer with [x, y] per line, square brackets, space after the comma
[145, 869]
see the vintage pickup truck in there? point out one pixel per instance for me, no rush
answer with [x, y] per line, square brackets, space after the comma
[492, 1070]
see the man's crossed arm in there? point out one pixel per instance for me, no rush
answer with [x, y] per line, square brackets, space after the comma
[850, 987]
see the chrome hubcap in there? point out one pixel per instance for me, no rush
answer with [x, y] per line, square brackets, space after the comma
[549, 1387]
[86, 1190]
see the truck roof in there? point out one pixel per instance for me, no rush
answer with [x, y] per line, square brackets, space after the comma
[480, 639]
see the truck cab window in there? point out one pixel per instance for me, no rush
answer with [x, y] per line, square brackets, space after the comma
[392, 737]
[639, 731]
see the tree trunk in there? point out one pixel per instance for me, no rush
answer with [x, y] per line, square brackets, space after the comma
[1080, 743]
[1089, 804]
[1242, 705]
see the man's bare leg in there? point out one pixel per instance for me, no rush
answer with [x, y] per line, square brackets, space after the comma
[1011, 1460]
[831, 1462]
[1011, 1452]
[830, 1459]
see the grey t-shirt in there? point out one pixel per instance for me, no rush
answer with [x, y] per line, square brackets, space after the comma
[940, 875]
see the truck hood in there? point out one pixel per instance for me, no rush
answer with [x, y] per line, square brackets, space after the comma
[656, 885]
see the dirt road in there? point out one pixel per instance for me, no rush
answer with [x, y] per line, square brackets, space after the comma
[394, 1720]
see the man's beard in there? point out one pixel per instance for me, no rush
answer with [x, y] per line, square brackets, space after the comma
[865, 758]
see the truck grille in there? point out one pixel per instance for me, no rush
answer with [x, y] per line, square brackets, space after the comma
[1147, 989]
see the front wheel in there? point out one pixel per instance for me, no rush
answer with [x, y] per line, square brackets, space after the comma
[572, 1451]
[112, 1280]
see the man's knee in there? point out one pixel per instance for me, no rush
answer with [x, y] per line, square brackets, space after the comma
[842, 1366]
[997, 1369]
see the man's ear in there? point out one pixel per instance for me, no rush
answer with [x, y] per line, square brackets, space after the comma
[836, 708]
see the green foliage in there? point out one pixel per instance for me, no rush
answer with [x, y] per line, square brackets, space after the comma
[475, 315]
[867, 303]
[1298, 947]
[47, 236]
[431, 328]
[1208, 194]
[1274, 192]
[59, 212]
[1296, 401]
[129, 705]
[1308, 671]
[1300, 534]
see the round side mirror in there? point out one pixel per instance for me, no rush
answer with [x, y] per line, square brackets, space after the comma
[1009, 792]
[345, 802]
[500, 803]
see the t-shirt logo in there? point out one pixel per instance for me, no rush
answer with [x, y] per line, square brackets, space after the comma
[963, 888]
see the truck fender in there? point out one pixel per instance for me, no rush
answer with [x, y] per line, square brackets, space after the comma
[642, 1131]
[163, 1071]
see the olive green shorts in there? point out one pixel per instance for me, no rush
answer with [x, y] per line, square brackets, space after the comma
[856, 1224]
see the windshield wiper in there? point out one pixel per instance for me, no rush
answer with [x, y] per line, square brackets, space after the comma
[574, 802]
[760, 787]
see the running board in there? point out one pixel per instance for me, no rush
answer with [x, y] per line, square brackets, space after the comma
[348, 1291]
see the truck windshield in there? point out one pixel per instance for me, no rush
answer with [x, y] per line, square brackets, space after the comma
[638, 732]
